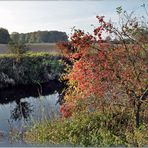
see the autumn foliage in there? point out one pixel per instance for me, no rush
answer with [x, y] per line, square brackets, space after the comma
[112, 73]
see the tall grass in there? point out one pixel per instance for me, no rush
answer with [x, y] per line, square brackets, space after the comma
[44, 109]
[96, 128]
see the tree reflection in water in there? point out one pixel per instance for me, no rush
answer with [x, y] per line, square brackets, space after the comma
[21, 111]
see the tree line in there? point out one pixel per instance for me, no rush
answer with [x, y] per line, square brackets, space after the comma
[57, 36]
[32, 37]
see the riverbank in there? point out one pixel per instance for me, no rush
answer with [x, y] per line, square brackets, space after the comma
[29, 68]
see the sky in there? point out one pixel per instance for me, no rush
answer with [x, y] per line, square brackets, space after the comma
[29, 16]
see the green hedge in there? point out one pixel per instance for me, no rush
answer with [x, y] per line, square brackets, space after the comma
[29, 68]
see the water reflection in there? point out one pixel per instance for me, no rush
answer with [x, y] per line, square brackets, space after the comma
[25, 104]
[21, 111]
[8, 95]
[16, 94]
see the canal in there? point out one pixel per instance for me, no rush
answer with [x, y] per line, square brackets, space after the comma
[23, 105]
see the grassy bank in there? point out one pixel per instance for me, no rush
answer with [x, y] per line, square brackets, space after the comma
[29, 68]
[91, 129]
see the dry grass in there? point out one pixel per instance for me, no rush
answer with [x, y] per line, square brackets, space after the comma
[35, 47]
[3, 49]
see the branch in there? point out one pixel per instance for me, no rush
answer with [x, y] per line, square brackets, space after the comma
[145, 94]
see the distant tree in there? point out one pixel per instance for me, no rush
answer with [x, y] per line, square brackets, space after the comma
[17, 48]
[4, 36]
[44, 36]
[26, 38]
[22, 38]
[39, 37]
[15, 37]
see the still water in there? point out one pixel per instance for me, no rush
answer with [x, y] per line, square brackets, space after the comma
[22, 106]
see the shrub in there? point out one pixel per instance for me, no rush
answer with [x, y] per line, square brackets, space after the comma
[105, 71]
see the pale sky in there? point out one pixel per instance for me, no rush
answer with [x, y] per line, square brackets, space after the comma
[29, 16]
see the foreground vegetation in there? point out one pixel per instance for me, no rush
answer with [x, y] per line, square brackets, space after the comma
[98, 128]
[29, 68]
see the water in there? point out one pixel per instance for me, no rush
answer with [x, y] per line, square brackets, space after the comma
[21, 106]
